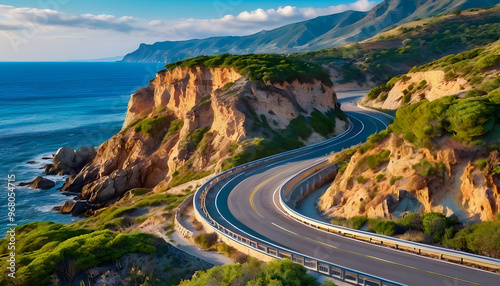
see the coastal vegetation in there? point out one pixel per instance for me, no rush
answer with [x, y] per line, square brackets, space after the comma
[41, 247]
[48, 252]
[467, 120]
[254, 272]
[480, 238]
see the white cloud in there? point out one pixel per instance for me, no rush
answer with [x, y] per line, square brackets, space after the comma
[20, 26]
[26, 17]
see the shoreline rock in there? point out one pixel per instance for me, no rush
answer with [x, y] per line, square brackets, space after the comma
[40, 183]
[76, 208]
[68, 161]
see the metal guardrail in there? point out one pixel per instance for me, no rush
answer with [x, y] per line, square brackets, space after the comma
[438, 252]
[184, 231]
[327, 268]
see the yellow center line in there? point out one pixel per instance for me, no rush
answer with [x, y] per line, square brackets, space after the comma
[259, 186]
[375, 258]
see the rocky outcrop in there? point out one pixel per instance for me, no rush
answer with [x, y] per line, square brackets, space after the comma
[76, 208]
[66, 161]
[454, 185]
[40, 183]
[183, 123]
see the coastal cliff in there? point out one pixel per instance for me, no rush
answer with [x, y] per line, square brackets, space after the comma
[395, 177]
[191, 122]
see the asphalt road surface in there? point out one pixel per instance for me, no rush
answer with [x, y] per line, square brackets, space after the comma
[248, 202]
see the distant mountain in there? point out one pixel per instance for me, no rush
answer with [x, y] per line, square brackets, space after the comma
[318, 33]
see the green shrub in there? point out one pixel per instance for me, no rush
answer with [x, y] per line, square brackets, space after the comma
[380, 177]
[434, 224]
[206, 241]
[175, 126]
[140, 220]
[228, 85]
[357, 222]
[492, 147]
[322, 123]
[373, 161]
[488, 61]
[412, 221]
[377, 137]
[362, 180]
[422, 84]
[354, 222]
[424, 168]
[406, 98]
[481, 164]
[482, 238]
[476, 79]
[139, 191]
[151, 126]
[233, 147]
[225, 249]
[394, 179]
[496, 171]
[471, 93]
[300, 128]
[132, 124]
[187, 176]
[197, 135]
[159, 199]
[488, 86]
[340, 114]
[374, 93]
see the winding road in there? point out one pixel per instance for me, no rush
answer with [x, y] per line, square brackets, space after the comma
[249, 203]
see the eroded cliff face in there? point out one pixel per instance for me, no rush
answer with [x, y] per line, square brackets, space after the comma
[417, 86]
[414, 179]
[182, 124]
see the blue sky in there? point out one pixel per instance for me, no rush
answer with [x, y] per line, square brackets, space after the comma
[59, 30]
[157, 9]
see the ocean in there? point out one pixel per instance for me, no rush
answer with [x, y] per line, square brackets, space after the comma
[45, 106]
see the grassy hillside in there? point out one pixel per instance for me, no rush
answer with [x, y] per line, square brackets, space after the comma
[265, 67]
[56, 254]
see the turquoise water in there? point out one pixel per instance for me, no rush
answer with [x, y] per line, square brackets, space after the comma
[44, 106]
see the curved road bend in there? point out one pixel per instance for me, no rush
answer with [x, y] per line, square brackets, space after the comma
[249, 202]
